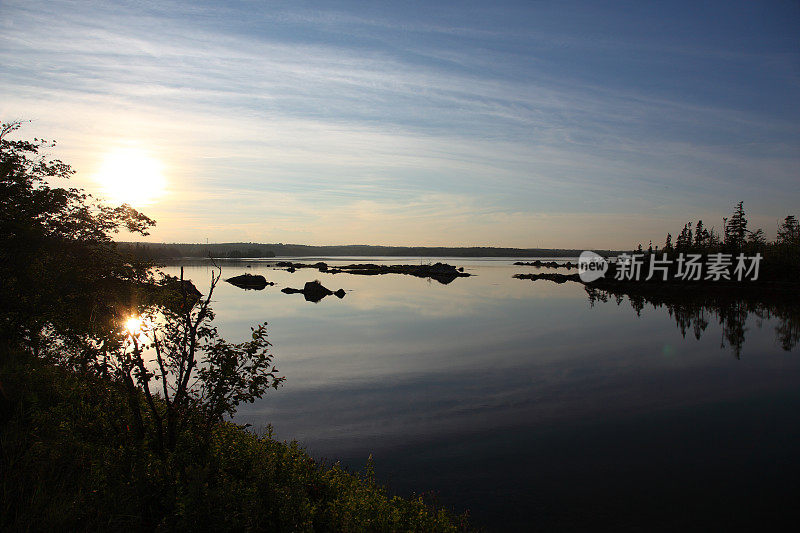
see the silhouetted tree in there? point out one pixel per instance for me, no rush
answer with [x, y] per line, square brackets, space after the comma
[67, 291]
[701, 236]
[787, 246]
[198, 376]
[789, 231]
[713, 241]
[684, 241]
[756, 240]
[736, 228]
[59, 267]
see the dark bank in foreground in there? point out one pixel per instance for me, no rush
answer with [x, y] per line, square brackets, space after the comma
[71, 462]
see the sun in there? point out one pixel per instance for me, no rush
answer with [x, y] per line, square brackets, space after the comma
[131, 176]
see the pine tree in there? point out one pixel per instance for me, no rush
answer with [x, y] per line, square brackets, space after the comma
[736, 228]
[713, 239]
[756, 239]
[684, 241]
[788, 243]
[789, 231]
[700, 235]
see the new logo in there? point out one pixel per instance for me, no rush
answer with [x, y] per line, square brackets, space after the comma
[591, 266]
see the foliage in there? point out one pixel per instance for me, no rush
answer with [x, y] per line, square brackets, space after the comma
[88, 439]
[181, 250]
[781, 257]
[69, 288]
[71, 462]
[701, 235]
[196, 369]
[789, 231]
[684, 240]
[736, 229]
[59, 266]
[160, 251]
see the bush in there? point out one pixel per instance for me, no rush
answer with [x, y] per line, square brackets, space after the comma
[70, 461]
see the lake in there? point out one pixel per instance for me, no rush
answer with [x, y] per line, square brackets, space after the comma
[524, 402]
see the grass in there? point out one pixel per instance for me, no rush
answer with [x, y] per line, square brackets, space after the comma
[69, 462]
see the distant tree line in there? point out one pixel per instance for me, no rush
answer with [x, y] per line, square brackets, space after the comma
[735, 237]
[255, 250]
[156, 251]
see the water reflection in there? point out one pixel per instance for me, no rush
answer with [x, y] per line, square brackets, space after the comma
[520, 402]
[692, 313]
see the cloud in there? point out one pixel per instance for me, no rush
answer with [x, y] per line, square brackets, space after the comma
[364, 118]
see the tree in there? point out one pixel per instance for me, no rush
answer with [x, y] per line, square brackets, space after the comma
[789, 231]
[701, 236]
[191, 375]
[58, 264]
[736, 228]
[756, 239]
[68, 289]
[684, 241]
[788, 245]
[713, 239]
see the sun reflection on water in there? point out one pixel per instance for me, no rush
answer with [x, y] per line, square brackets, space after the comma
[133, 326]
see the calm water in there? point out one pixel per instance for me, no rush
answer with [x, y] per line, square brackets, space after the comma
[521, 402]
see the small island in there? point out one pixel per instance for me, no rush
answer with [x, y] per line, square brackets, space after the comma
[254, 282]
[314, 291]
[441, 272]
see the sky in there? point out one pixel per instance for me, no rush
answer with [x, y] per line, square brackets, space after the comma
[526, 124]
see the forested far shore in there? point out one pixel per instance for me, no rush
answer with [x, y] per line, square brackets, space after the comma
[238, 250]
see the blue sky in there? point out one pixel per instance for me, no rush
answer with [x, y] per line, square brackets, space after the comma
[553, 124]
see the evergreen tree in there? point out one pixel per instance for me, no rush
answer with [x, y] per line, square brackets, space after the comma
[756, 240]
[788, 244]
[736, 228]
[700, 236]
[712, 241]
[684, 241]
[789, 231]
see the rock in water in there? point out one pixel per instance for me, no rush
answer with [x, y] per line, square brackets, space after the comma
[249, 282]
[314, 291]
[289, 290]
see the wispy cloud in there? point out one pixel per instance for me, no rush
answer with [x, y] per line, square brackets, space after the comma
[379, 126]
